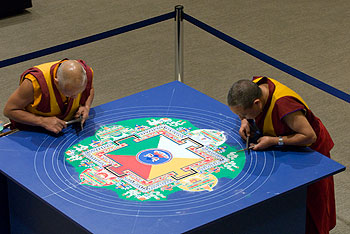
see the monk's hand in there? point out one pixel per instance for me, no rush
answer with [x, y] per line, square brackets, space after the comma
[264, 142]
[53, 124]
[244, 130]
[83, 111]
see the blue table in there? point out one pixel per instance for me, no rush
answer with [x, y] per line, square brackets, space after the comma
[268, 195]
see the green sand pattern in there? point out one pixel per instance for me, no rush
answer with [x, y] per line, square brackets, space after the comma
[121, 129]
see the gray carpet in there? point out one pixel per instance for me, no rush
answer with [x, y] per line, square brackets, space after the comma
[312, 36]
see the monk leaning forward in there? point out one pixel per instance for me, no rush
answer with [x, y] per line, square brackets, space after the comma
[51, 94]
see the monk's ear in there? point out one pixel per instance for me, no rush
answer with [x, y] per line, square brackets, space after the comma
[55, 79]
[257, 101]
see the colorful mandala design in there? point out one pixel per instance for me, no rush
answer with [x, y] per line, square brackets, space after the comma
[151, 158]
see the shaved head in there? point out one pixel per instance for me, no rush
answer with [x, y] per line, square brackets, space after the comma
[243, 93]
[71, 78]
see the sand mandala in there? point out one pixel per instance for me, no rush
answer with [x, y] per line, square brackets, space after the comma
[151, 158]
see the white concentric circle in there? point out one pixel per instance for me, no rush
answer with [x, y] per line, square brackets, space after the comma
[62, 181]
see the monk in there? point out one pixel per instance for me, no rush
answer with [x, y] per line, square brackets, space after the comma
[51, 94]
[283, 118]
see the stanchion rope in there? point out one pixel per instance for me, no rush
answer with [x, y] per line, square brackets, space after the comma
[269, 60]
[86, 40]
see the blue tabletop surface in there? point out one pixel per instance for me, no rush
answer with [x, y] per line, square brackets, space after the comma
[35, 161]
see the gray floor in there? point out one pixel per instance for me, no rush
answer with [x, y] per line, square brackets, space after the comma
[312, 36]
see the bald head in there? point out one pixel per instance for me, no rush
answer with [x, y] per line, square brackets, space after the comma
[71, 78]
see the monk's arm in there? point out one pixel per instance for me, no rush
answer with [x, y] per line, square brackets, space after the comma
[89, 100]
[84, 110]
[15, 109]
[304, 134]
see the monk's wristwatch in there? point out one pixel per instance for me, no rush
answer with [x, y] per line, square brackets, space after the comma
[280, 141]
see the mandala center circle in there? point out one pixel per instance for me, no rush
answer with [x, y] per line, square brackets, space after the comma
[154, 156]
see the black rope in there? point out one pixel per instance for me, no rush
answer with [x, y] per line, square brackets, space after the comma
[269, 60]
[86, 40]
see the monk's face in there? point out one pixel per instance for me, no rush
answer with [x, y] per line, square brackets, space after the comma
[72, 91]
[248, 113]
